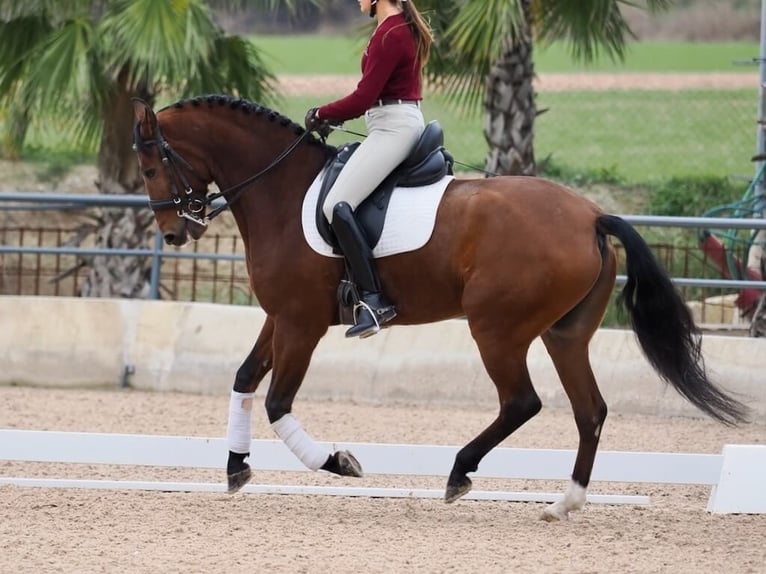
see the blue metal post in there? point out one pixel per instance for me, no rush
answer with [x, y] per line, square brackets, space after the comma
[154, 278]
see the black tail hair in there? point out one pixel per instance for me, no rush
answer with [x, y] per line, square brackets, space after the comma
[664, 326]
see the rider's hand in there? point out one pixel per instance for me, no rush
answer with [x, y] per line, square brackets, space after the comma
[314, 124]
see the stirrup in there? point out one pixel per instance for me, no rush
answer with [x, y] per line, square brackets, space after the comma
[368, 320]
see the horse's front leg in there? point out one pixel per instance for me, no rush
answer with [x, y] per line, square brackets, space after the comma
[294, 343]
[239, 432]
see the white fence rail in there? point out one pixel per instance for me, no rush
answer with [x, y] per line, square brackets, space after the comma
[738, 475]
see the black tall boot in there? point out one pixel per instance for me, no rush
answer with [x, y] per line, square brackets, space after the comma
[373, 309]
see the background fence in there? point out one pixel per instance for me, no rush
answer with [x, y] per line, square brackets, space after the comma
[47, 260]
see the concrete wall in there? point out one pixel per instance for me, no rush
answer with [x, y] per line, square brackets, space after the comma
[197, 347]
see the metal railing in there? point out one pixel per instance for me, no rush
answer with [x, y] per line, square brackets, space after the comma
[52, 201]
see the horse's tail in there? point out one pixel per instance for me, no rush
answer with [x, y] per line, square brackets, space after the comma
[664, 326]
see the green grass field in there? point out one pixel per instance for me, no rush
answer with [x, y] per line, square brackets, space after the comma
[340, 55]
[656, 57]
[649, 135]
[631, 135]
[636, 136]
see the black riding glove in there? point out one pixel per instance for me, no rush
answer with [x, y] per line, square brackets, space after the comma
[314, 124]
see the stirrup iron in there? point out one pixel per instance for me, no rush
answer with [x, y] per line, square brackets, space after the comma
[378, 317]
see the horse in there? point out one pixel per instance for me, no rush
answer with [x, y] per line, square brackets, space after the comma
[518, 257]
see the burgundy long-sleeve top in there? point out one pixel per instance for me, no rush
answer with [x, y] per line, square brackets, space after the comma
[390, 71]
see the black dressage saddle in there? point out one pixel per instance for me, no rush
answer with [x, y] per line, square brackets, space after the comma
[427, 163]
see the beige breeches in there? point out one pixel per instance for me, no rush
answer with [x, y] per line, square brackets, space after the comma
[392, 132]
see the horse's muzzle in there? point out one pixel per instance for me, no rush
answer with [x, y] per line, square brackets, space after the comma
[182, 231]
[174, 238]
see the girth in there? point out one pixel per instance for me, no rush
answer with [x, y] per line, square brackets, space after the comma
[427, 163]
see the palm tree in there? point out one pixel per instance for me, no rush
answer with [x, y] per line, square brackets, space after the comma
[74, 65]
[485, 48]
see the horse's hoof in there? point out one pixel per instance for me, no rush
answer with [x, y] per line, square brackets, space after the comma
[238, 480]
[548, 517]
[348, 465]
[343, 463]
[455, 491]
[555, 513]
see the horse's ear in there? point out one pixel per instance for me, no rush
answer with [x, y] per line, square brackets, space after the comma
[145, 117]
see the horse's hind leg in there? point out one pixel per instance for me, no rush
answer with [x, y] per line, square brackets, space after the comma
[249, 375]
[567, 343]
[570, 356]
[518, 403]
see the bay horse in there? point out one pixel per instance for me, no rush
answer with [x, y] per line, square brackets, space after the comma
[518, 257]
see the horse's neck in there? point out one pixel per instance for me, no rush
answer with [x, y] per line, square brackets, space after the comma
[238, 146]
[272, 204]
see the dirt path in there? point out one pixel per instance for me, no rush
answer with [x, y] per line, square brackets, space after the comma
[74, 531]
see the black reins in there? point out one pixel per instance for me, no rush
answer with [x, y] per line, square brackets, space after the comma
[186, 205]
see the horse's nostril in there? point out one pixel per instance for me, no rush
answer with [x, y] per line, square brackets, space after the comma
[170, 238]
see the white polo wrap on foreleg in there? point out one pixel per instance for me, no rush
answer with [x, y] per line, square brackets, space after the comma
[308, 451]
[238, 432]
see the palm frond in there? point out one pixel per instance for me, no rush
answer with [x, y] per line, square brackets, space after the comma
[157, 39]
[235, 67]
[589, 28]
[18, 39]
[64, 67]
[470, 36]
[55, 11]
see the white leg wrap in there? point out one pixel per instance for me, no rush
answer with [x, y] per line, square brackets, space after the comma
[239, 431]
[300, 443]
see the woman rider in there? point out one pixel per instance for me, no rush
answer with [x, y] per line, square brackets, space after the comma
[388, 95]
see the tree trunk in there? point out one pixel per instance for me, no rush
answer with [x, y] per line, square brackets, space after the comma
[510, 112]
[17, 123]
[121, 228]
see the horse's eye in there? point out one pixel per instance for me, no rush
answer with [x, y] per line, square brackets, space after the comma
[150, 173]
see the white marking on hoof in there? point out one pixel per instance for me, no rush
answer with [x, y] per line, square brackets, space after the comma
[574, 499]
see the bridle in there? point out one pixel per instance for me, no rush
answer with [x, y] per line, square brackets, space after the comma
[189, 205]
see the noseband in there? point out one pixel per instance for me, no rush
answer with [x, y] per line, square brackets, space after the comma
[186, 205]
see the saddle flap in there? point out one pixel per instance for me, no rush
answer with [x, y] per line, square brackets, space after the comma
[332, 169]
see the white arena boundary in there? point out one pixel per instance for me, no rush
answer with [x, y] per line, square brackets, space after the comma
[737, 476]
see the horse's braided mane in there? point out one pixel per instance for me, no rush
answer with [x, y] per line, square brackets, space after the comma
[246, 107]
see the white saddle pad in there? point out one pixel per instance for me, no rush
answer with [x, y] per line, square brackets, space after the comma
[409, 219]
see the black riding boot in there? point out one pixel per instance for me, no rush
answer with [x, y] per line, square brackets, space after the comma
[373, 309]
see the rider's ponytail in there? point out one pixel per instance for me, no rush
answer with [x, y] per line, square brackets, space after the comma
[420, 29]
